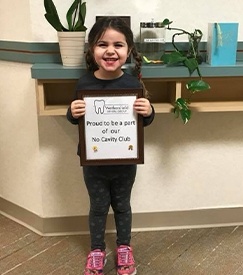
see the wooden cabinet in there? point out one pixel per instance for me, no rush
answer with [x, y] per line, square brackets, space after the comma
[226, 93]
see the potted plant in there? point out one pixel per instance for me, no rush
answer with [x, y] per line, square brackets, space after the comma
[191, 60]
[71, 37]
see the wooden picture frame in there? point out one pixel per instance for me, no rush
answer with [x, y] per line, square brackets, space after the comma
[111, 132]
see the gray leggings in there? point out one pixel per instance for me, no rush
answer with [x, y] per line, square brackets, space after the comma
[109, 186]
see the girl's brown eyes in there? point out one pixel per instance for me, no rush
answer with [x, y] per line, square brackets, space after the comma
[103, 45]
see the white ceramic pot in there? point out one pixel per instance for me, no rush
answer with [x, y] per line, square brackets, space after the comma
[72, 48]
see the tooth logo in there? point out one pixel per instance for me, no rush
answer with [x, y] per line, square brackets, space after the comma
[99, 106]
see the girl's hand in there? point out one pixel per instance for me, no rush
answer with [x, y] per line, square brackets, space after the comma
[78, 108]
[142, 106]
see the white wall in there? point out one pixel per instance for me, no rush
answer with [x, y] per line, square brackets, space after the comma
[19, 142]
[185, 14]
[15, 21]
[186, 167]
[193, 166]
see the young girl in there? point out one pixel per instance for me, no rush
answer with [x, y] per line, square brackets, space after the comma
[110, 44]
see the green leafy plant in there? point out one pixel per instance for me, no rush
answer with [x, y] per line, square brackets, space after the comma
[191, 60]
[75, 16]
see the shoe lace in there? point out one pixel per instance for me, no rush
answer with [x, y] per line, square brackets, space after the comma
[95, 260]
[125, 257]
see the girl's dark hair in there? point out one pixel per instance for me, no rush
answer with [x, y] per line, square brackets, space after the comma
[121, 26]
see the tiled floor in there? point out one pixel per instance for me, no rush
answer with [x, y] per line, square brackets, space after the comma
[213, 251]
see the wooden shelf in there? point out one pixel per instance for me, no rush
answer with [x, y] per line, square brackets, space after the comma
[54, 110]
[225, 95]
[163, 107]
[220, 106]
[54, 96]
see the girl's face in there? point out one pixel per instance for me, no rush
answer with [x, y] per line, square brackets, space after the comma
[110, 53]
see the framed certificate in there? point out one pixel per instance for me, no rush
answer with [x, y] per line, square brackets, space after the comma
[111, 132]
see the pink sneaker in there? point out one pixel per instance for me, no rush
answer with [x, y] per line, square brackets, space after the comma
[125, 261]
[95, 263]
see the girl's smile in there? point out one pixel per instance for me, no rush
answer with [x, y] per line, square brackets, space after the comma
[110, 53]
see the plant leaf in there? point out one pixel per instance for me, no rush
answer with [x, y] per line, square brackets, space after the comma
[185, 115]
[176, 57]
[82, 12]
[72, 13]
[181, 103]
[181, 109]
[52, 15]
[165, 58]
[197, 31]
[197, 86]
[191, 64]
[166, 22]
[55, 22]
[50, 7]
[81, 18]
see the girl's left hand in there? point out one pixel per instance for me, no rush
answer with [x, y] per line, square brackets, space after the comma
[142, 106]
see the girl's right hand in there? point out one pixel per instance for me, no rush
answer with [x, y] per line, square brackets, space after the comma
[78, 108]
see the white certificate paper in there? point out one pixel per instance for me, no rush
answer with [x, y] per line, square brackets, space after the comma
[110, 127]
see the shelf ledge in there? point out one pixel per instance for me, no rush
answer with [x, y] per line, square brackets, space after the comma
[57, 71]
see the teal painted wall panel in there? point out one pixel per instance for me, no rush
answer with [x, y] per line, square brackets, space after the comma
[30, 52]
[40, 52]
